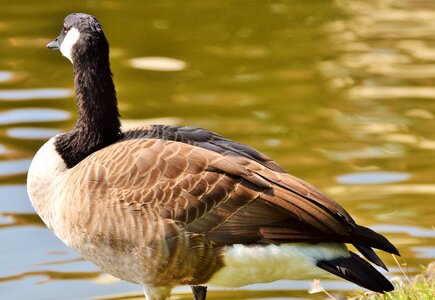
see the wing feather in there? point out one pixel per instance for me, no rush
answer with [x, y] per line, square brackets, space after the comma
[222, 190]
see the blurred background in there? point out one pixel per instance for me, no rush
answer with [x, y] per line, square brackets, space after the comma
[340, 93]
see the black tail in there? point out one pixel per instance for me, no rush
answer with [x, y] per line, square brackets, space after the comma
[357, 270]
[365, 236]
[368, 253]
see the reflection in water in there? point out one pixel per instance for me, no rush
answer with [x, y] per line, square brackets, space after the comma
[15, 95]
[424, 252]
[388, 151]
[13, 167]
[372, 177]
[6, 76]
[32, 133]
[379, 190]
[253, 77]
[164, 64]
[413, 231]
[388, 92]
[385, 73]
[14, 219]
[3, 149]
[29, 115]
[52, 275]
[239, 51]
[14, 199]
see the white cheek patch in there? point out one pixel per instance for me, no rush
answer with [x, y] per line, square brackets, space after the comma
[68, 42]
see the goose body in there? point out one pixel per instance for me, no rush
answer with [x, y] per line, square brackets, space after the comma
[163, 206]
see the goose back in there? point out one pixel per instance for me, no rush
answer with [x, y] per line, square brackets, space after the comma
[174, 199]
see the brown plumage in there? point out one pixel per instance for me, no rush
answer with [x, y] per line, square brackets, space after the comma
[157, 184]
[164, 206]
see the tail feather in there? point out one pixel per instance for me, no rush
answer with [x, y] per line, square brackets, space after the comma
[365, 236]
[371, 256]
[357, 270]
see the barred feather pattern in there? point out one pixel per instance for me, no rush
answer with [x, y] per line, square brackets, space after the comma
[171, 203]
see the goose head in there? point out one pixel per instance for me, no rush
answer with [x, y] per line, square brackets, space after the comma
[81, 38]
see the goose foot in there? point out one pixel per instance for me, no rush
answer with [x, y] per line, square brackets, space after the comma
[199, 292]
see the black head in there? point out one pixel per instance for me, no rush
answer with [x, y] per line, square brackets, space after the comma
[81, 36]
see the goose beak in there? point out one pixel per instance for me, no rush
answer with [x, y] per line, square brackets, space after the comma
[54, 45]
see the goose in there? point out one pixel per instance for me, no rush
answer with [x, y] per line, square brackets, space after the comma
[164, 206]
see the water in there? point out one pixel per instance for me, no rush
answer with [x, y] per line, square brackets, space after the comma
[339, 93]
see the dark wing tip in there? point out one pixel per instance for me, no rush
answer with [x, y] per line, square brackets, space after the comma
[367, 237]
[371, 256]
[358, 271]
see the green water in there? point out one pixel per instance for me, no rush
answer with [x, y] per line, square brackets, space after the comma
[339, 93]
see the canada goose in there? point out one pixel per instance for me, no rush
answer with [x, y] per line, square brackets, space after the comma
[163, 206]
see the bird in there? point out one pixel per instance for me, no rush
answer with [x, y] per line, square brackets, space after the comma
[164, 206]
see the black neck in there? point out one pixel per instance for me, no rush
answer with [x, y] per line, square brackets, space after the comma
[98, 122]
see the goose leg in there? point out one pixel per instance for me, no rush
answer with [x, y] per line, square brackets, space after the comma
[199, 292]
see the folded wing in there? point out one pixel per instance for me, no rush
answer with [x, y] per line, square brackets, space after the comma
[225, 191]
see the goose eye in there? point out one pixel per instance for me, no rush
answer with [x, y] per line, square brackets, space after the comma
[65, 30]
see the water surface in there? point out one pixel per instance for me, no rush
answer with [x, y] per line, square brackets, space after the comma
[339, 93]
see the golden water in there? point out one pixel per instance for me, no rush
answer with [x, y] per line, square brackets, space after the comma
[340, 93]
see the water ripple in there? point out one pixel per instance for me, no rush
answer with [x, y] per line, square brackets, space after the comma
[386, 151]
[382, 190]
[28, 94]
[165, 64]
[387, 92]
[14, 167]
[30, 133]
[27, 115]
[6, 76]
[372, 177]
[14, 199]
[413, 231]
[3, 149]
[424, 252]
